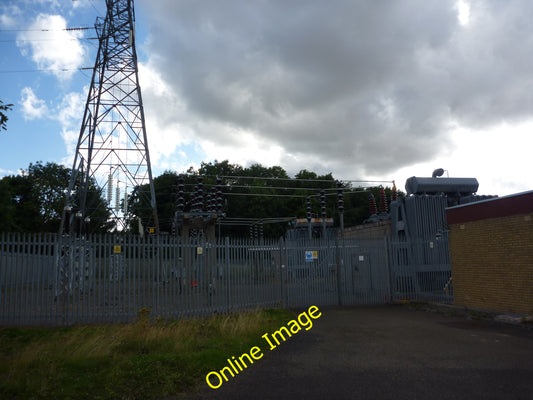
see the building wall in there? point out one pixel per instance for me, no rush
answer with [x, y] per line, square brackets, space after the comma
[491, 252]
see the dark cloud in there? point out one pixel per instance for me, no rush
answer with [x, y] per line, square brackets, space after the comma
[368, 86]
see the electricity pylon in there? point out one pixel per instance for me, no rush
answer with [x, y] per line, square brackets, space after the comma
[112, 155]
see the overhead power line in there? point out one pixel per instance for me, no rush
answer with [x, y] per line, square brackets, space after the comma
[81, 28]
[331, 181]
[302, 196]
[45, 40]
[16, 71]
[263, 187]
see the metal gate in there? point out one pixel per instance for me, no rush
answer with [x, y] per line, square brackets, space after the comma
[336, 272]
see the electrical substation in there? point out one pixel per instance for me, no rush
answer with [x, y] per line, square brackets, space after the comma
[194, 267]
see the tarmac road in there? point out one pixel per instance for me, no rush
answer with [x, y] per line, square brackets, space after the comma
[389, 352]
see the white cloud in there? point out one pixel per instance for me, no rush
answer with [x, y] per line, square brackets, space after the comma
[70, 110]
[251, 150]
[69, 114]
[48, 3]
[167, 126]
[463, 12]
[360, 89]
[497, 157]
[8, 16]
[366, 90]
[32, 107]
[6, 172]
[322, 82]
[51, 47]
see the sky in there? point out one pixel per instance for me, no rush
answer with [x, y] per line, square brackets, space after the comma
[364, 89]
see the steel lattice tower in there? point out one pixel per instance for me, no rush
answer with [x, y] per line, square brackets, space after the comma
[112, 151]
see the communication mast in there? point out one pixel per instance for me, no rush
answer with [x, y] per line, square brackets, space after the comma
[112, 155]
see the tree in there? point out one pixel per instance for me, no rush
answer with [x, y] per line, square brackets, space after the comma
[165, 196]
[34, 200]
[21, 211]
[217, 168]
[48, 184]
[3, 116]
[9, 204]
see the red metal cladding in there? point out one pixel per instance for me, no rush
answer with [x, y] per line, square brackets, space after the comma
[520, 203]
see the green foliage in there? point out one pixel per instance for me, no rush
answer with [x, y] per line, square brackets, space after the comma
[165, 193]
[146, 360]
[3, 116]
[34, 200]
[29, 202]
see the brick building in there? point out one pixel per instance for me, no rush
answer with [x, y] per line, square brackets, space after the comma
[491, 251]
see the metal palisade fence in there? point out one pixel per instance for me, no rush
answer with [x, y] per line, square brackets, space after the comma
[48, 279]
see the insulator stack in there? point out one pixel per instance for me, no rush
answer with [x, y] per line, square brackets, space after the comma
[211, 202]
[200, 194]
[208, 202]
[373, 207]
[109, 189]
[323, 203]
[117, 199]
[394, 194]
[194, 200]
[340, 200]
[181, 195]
[219, 195]
[125, 208]
[382, 201]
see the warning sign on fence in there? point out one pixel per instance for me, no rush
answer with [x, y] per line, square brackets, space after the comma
[311, 255]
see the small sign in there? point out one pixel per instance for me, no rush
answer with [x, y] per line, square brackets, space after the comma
[151, 230]
[311, 255]
[361, 258]
[199, 250]
[117, 249]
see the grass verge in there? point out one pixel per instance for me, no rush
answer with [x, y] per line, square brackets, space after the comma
[145, 360]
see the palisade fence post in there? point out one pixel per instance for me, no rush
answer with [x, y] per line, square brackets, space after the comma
[64, 265]
[283, 272]
[280, 271]
[339, 270]
[388, 255]
[158, 276]
[59, 270]
[226, 272]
